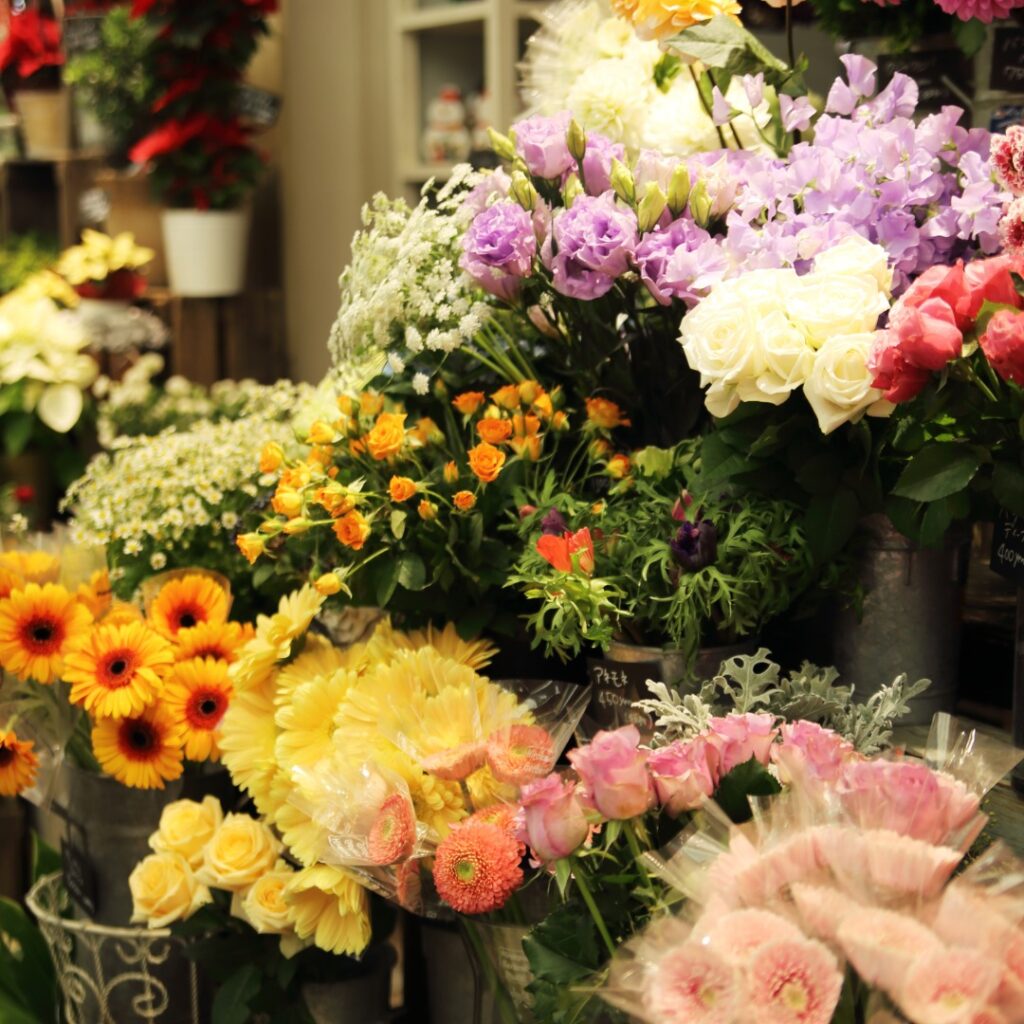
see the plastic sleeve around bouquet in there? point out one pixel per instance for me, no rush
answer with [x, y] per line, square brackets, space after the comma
[516, 728]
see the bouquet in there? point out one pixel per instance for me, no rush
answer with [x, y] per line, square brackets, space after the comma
[116, 690]
[102, 267]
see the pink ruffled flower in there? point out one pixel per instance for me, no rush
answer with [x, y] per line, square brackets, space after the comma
[1008, 158]
[927, 333]
[811, 753]
[553, 820]
[737, 936]
[684, 774]
[990, 281]
[393, 833]
[986, 11]
[741, 737]
[948, 985]
[614, 770]
[520, 753]
[695, 985]
[1011, 227]
[541, 142]
[1003, 345]
[794, 983]
[822, 908]
[882, 944]
[892, 373]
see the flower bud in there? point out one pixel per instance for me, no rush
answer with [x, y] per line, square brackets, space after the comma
[622, 182]
[651, 207]
[523, 192]
[700, 204]
[427, 510]
[451, 472]
[525, 511]
[679, 190]
[271, 457]
[560, 421]
[328, 584]
[572, 188]
[321, 433]
[440, 389]
[576, 140]
[502, 144]
[298, 525]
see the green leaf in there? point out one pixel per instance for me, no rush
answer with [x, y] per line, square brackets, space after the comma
[412, 573]
[937, 471]
[12, 1013]
[563, 872]
[1008, 486]
[398, 520]
[969, 35]
[722, 43]
[263, 573]
[385, 574]
[830, 522]
[748, 779]
[938, 515]
[18, 431]
[231, 1004]
[45, 859]
[905, 515]
[27, 977]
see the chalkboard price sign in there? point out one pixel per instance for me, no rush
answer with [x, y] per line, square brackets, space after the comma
[933, 70]
[616, 685]
[1008, 547]
[1008, 60]
[259, 108]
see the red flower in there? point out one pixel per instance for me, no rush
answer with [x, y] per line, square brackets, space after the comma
[569, 552]
[24, 493]
[31, 44]
[181, 87]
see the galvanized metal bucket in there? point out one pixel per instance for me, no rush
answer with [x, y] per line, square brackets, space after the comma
[911, 619]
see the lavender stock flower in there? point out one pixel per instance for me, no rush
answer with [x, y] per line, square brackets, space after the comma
[695, 545]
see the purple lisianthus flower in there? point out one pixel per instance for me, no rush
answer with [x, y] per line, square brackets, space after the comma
[594, 243]
[597, 162]
[679, 262]
[695, 545]
[540, 141]
[499, 247]
[553, 524]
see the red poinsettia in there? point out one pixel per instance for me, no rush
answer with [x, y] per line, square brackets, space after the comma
[31, 44]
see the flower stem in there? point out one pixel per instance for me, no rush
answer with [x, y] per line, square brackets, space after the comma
[790, 48]
[630, 828]
[588, 897]
[707, 109]
[492, 980]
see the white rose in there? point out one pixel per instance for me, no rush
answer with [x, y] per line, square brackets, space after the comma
[788, 361]
[165, 890]
[856, 255]
[839, 386]
[720, 339]
[826, 305]
[186, 827]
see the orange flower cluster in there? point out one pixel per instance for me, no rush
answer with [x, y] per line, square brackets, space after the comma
[154, 684]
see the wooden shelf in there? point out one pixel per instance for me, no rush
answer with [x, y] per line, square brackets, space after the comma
[471, 15]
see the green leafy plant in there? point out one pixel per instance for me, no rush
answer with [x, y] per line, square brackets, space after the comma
[24, 255]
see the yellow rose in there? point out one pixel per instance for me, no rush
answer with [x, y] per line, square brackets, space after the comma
[352, 530]
[486, 461]
[271, 457]
[328, 584]
[401, 488]
[468, 402]
[387, 436]
[464, 500]
[241, 850]
[186, 827]
[263, 904]
[164, 890]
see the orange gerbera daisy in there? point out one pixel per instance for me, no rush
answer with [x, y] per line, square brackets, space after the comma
[32, 566]
[144, 751]
[220, 640]
[198, 693]
[36, 626]
[17, 764]
[186, 602]
[476, 867]
[117, 670]
[96, 595]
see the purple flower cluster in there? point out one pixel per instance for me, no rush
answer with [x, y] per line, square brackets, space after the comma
[925, 192]
[695, 545]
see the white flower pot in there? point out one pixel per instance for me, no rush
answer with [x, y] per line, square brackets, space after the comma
[205, 251]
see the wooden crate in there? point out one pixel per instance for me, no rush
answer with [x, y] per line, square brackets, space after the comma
[215, 339]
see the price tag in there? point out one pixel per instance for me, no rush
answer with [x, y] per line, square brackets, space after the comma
[933, 71]
[616, 686]
[258, 108]
[1007, 60]
[1008, 547]
[79, 877]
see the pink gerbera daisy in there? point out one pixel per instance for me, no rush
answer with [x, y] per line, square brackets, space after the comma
[505, 816]
[737, 936]
[520, 754]
[882, 944]
[693, 985]
[946, 986]
[794, 983]
[393, 833]
[476, 867]
[409, 886]
[456, 763]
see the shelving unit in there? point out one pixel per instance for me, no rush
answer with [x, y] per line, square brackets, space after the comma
[469, 43]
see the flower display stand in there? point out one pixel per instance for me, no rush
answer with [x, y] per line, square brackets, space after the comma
[113, 975]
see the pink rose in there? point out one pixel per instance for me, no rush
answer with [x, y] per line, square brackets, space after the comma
[927, 333]
[990, 281]
[738, 738]
[554, 823]
[810, 752]
[614, 770]
[1003, 345]
[900, 380]
[684, 774]
[949, 285]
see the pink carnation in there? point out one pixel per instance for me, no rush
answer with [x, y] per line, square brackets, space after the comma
[1011, 227]
[614, 770]
[1008, 158]
[742, 737]
[684, 774]
[811, 753]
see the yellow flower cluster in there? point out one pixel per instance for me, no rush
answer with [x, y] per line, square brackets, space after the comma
[659, 19]
[99, 255]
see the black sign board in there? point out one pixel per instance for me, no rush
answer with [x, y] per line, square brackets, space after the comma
[616, 685]
[1008, 547]
[933, 70]
[258, 108]
[1008, 60]
[81, 33]
[79, 877]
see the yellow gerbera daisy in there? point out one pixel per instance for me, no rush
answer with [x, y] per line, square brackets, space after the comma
[36, 626]
[18, 764]
[275, 635]
[186, 601]
[144, 751]
[246, 741]
[220, 640]
[319, 657]
[386, 640]
[96, 595]
[115, 671]
[32, 566]
[306, 722]
[330, 907]
[198, 694]
[121, 613]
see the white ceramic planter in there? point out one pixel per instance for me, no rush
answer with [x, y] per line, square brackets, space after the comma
[205, 251]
